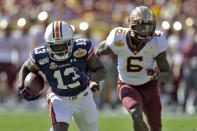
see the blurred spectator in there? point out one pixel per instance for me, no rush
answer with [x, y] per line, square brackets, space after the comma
[21, 38]
[36, 34]
[190, 75]
[176, 60]
[61, 11]
[8, 60]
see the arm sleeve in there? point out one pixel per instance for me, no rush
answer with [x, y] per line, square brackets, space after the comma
[33, 58]
[161, 43]
[110, 41]
[90, 48]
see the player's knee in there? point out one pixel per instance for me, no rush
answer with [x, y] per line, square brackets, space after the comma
[60, 126]
[136, 114]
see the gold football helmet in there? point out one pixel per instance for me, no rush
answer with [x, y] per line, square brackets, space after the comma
[142, 23]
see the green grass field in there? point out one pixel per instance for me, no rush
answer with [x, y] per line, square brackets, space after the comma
[34, 121]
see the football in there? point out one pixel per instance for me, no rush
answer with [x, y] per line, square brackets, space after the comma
[35, 83]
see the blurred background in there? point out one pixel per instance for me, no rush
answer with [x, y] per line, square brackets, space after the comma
[23, 22]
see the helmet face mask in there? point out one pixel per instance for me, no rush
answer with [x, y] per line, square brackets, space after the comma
[142, 24]
[59, 40]
[60, 51]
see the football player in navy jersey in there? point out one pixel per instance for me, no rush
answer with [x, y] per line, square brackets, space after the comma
[68, 64]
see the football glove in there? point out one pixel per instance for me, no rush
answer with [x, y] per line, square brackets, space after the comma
[23, 93]
[94, 86]
[152, 74]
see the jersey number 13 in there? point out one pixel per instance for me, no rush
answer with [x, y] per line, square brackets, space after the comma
[67, 72]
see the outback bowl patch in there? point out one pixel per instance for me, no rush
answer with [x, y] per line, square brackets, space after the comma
[80, 53]
[119, 43]
[53, 65]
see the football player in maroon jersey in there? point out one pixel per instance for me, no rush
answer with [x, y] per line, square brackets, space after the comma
[140, 49]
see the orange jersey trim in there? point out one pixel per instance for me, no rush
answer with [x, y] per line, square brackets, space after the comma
[91, 53]
[52, 114]
[57, 35]
[48, 92]
[33, 63]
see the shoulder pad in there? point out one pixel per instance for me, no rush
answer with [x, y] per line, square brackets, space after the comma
[121, 30]
[117, 34]
[39, 55]
[81, 41]
[82, 47]
[160, 41]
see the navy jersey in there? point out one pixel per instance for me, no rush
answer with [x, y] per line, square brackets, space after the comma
[63, 76]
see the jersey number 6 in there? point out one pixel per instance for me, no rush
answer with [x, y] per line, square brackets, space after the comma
[132, 67]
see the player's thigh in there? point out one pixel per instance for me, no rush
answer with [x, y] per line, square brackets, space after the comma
[87, 117]
[129, 96]
[60, 109]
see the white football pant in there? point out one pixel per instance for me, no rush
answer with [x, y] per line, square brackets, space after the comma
[82, 109]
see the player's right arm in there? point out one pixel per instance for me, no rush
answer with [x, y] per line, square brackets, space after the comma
[28, 66]
[103, 49]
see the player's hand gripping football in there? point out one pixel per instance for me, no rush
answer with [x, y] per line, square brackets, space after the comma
[94, 86]
[23, 93]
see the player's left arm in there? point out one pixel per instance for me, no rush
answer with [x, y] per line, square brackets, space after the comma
[97, 70]
[165, 73]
